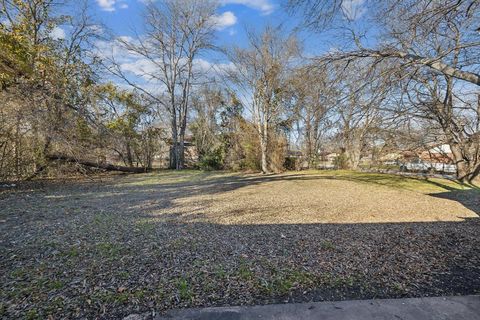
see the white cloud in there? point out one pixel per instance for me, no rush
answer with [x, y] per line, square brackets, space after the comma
[115, 50]
[148, 69]
[144, 68]
[265, 6]
[107, 5]
[124, 6]
[224, 20]
[57, 33]
[353, 9]
[144, 72]
[212, 68]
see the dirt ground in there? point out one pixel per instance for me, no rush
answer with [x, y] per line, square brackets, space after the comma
[151, 242]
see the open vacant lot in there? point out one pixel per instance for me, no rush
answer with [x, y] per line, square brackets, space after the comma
[144, 243]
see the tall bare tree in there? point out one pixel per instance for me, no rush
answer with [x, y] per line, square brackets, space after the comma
[260, 74]
[176, 32]
[314, 99]
[432, 45]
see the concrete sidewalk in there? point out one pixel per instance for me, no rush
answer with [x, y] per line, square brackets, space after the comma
[440, 308]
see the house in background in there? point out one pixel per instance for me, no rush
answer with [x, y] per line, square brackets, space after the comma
[438, 158]
[190, 154]
[327, 160]
[164, 157]
[438, 154]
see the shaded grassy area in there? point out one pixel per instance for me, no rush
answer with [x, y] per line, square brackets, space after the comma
[151, 242]
[417, 184]
[166, 177]
[412, 183]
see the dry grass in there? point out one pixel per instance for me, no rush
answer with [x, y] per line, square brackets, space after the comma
[313, 197]
[143, 243]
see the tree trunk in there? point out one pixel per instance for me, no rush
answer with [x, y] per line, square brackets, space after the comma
[351, 150]
[174, 154]
[264, 145]
[104, 166]
[353, 158]
[129, 155]
[464, 148]
[181, 154]
[264, 149]
[17, 148]
[467, 169]
[308, 135]
[183, 128]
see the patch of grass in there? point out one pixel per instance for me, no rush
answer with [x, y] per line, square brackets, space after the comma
[108, 249]
[220, 272]
[349, 281]
[417, 184]
[277, 286]
[398, 288]
[327, 245]
[103, 220]
[55, 305]
[122, 297]
[139, 294]
[168, 177]
[159, 294]
[146, 226]
[124, 275]
[244, 271]
[72, 254]
[55, 285]
[178, 244]
[109, 297]
[19, 274]
[32, 314]
[338, 281]
[282, 282]
[184, 290]
[3, 309]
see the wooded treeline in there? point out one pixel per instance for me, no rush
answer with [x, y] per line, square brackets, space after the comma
[65, 105]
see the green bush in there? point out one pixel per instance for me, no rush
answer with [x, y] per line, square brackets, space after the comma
[212, 160]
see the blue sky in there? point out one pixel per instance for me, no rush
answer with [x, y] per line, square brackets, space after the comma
[122, 16]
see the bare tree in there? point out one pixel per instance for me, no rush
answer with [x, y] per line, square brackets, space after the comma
[432, 46]
[177, 31]
[447, 117]
[205, 127]
[314, 99]
[408, 28]
[358, 112]
[260, 75]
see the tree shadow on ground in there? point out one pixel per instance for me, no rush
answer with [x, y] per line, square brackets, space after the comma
[470, 199]
[129, 192]
[100, 248]
[166, 265]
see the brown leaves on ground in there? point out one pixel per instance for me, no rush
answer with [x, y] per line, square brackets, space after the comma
[146, 243]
